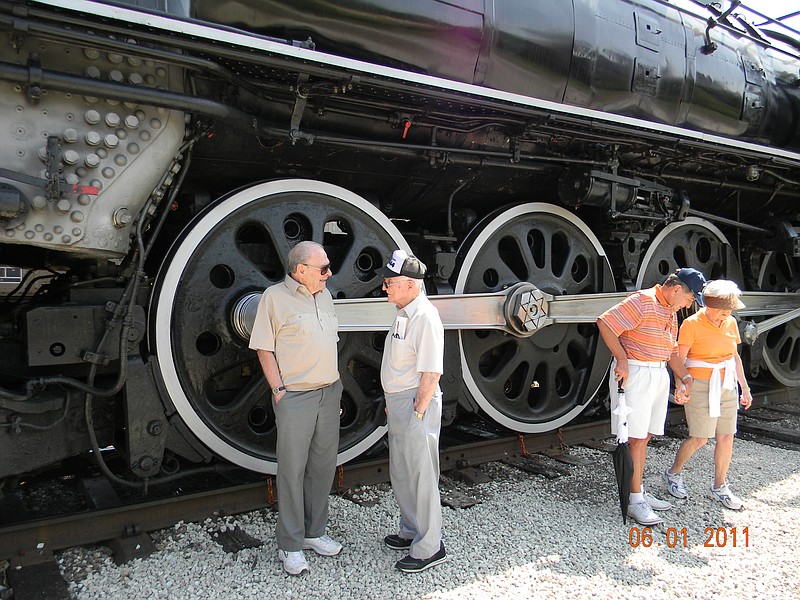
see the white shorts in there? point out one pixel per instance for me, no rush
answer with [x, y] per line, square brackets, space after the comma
[647, 393]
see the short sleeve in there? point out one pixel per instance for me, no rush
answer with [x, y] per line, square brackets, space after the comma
[263, 334]
[430, 346]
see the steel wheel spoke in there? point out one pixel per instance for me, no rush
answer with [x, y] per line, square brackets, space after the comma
[781, 273]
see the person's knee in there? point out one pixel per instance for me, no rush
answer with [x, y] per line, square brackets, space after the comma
[698, 442]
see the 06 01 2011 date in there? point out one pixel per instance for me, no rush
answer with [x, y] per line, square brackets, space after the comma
[715, 537]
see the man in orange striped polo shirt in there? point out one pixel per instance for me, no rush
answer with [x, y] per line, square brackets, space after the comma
[641, 331]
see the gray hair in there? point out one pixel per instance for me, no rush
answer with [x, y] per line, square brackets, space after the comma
[301, 253]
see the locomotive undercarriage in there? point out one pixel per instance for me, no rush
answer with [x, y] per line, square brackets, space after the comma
[133, 331]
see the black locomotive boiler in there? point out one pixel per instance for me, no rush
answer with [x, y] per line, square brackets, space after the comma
[160, 157]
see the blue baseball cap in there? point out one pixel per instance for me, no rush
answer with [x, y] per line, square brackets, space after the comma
[694, 280]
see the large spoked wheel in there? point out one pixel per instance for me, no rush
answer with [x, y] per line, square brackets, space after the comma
[692, 243]
[781, 354]
[239, 246]
[536, 383]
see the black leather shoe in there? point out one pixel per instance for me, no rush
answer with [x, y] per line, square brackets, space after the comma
[416, 565]
[395, 542]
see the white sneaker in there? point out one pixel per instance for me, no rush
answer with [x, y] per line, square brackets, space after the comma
[324, 545]
[725, 495]
[643, 514]
[294, 563]
[675, 484]
[654, 502]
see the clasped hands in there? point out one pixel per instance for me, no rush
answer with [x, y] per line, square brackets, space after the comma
[682, 392]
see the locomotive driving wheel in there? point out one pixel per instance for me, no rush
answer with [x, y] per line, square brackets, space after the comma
[239, 246]
[536, 383]
[692, 243]
[781, 353]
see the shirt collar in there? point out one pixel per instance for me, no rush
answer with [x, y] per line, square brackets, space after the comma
[660, 296]
[412, 307]
[294, 286]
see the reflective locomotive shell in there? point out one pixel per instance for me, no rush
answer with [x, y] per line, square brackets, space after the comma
[642, 59]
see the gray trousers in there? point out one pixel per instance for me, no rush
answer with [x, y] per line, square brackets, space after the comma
[414, 470]
[308, 441]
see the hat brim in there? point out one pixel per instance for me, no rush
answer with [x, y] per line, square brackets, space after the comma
[732, 303]
[386, 272]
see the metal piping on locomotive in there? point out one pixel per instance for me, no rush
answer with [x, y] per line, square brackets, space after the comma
[590, 154]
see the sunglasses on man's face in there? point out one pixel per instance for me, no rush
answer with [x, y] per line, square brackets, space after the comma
[323, 270]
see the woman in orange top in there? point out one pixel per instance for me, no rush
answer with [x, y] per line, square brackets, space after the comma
[707, 344]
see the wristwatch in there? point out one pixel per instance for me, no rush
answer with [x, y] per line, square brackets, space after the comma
[685, 377]
[278, 390]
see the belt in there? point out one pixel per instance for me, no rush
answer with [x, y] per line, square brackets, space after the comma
[651, 364]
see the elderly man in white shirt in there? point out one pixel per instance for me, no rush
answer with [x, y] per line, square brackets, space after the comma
[413, 362]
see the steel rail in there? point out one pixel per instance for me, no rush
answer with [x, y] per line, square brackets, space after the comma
[33, 541]
[27, 541]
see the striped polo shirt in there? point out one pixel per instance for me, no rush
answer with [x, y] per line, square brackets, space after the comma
[645, 324]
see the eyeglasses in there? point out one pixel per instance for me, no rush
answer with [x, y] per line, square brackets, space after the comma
[387, 284]
[323, 270]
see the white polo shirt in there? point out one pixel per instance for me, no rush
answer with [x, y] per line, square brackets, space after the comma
[414, 345]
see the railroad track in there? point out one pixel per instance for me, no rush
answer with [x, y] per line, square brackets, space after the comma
[29, 546]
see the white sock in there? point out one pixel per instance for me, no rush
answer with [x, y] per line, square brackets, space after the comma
[636, 497]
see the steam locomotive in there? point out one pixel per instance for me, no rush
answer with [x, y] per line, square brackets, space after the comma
[542, 158]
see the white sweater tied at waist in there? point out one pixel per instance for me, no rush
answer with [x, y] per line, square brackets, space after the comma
[716, 383]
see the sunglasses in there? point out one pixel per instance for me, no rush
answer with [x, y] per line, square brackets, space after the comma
[388, 284]
[323, 270]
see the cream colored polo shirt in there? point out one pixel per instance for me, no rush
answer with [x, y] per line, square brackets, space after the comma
[414, 345]
[301, 329]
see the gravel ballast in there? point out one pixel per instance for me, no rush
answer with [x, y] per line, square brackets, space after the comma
[528, 537]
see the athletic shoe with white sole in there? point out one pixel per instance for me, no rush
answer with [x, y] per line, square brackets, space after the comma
[395, 542]
[416, 565]
[675, 485]
[294, 563]
[643, 514]
[324, 546]
[724, 495]
[655, 503]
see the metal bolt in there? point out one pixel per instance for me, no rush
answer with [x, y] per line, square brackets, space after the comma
[121, 217]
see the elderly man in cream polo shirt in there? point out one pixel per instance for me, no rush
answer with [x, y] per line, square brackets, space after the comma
[295, 334]
[413, 361]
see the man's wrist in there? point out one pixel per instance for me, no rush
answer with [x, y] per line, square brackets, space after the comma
[687, 376]
[278, 390]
